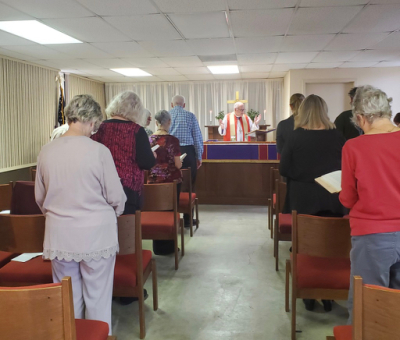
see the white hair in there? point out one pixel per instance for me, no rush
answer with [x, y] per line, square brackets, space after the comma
[178, 100]
[237, 104]
[372, 103]
[83, 108]
[128, 105]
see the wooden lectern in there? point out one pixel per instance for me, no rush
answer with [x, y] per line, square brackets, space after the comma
[213, 133]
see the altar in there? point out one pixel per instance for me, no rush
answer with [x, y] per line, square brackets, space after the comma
[236, 173]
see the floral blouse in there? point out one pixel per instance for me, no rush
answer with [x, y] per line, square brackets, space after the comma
[165, 170]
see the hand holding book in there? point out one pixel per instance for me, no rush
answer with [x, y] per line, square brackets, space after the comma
[331, 181]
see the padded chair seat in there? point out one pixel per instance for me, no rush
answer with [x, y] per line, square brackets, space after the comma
[285, 223]
[273, 199]
[157, 222]
[34, 271]
[91, 330]
[324, 273]
[6, 257]
[125, 268]
[343, 332]
[184, 199]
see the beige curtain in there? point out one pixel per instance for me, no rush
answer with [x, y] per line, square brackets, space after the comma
[75, 85]
[28, 106]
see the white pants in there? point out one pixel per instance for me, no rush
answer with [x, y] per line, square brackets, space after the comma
[92, 286]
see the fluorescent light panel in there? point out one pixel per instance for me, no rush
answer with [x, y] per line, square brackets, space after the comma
[131, 72]
[224, 69]
[37, 32]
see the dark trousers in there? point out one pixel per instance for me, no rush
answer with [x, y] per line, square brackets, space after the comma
[190, 161]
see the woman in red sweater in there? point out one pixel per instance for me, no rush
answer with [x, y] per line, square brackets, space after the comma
[371, 189]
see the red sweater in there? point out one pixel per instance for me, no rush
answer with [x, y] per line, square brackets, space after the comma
[371, 183]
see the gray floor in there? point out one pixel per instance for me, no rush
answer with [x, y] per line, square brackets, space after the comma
[226, 287]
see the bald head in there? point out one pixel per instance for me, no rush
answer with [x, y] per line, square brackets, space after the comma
[178, 100]
[239, 109]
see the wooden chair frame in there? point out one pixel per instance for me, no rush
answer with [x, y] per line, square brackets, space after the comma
[53, 312]
[163, 197]
[33, 173]
[327, 237]
[273, 176]
[187, 187]
[131, 243]
[278, 236]
[5, 196]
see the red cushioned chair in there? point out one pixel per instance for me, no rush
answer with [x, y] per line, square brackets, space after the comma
[5, 196]
[160, 217]
[45, 312]
[188, 199]
[273, 176]
[6, 257]
[376, 314]
[23, 199]
[320, 264]
[283, 222]
[23, 234]
[134, 265]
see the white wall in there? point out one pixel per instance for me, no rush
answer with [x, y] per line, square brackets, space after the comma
[386, 79]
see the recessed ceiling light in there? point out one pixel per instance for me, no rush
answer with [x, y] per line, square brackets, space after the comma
[37, 32]
[131, 72]
[224, 69]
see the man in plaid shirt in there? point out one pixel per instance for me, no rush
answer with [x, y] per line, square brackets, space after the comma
[186, 128]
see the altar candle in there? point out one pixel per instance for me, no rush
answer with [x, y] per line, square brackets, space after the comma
[265, 115]
[211, 116]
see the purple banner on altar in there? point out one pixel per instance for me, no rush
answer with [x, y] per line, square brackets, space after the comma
[272, 151]
[236, 152]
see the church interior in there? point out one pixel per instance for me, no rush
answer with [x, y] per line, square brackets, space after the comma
[234, 271]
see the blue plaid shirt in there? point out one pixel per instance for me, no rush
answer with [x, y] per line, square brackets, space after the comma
[186, 128]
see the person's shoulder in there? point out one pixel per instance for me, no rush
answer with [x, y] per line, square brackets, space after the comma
[344, 114]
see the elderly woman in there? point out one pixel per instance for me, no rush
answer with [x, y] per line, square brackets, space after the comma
[313, 149]
[78, 190]
[167, 167]
[371, 189]
[129, 145]
[147, 122]
[286, 127]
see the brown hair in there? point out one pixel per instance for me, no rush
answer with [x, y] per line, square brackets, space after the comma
[295, 101]
[313, 113]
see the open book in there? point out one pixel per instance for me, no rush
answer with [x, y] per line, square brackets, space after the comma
[183, 157]
[331, 182]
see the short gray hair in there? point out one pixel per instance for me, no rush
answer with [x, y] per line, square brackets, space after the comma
[83, 108]
[178, 100]
[237, 104]
[162, 117]
[126, 104]
[371, 103]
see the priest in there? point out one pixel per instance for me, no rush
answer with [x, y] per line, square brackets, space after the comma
[237, 125]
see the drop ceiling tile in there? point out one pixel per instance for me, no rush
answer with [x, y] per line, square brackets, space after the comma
[50, 8]
[374, 55]
[200, 77]
[109, 63]
[87, 29]
[251, 59]
[330, 3]
[255, 75]
[201, 25]
[297, 43]
[376, 18]
[324, 65]
[192, 70]
[80, 51]
[260, 23]
[383, 2]
[145, 27]
[392, 42]
[335, 56]
[8, 13]
[190, 6]
[123, 49]
[277, 74]
[255, 68]
[17, 55]
[212, 46]
[287, 67]
[145, 62]
[388, 64]
[99, 72]
[228, 76]
[358, 64]
[79, 72]
[182, 61]
[119, 7]
[171, 48]
[257, 4]
[295, 57]
[161, 71]
[258, 45]
[173, 78]
[354, 42]
[11, 39]
[77, 64]
[37, 51]
[322, 19]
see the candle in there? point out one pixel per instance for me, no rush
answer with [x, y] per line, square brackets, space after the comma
[211, 116]
[265, 115]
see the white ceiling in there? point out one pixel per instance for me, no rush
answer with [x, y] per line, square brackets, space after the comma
[174, 40]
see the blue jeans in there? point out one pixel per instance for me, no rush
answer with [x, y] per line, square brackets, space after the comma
[376, 258]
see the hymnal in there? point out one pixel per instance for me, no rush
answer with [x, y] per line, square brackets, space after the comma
[331, 182]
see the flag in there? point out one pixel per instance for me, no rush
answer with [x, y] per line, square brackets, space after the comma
[61, 103]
